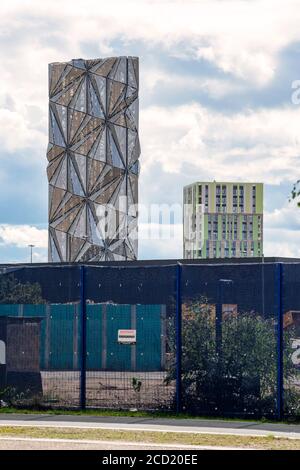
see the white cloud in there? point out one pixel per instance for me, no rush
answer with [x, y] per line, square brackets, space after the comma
[40, 256]
[258, 144]
[282, 231]
[239, 37]
[23, 235]
[281, 242]
[286, 217]
[168, 246]
[16, 132]
[152, 78]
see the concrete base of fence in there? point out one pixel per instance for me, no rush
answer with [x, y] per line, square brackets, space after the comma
[29, 383]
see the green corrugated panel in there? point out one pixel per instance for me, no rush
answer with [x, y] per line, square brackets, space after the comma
[94, 337]
[64, 335]
[118, 355]
[148, 339]
[36, 310]
[11, 310]
[61, 350]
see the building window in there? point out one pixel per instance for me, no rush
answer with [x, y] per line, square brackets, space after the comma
[233, 249]
[226, 250]
[199, 194]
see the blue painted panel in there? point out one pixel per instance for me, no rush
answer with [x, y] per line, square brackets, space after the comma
[10, 310]
[118, 355]
[148, 337]
[94, 337]
[61, 336]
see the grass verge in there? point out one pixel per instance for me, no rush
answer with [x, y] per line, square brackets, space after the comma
[136, 413]
[96, 412]
[264, 443]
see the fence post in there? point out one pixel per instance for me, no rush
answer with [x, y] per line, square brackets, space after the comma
[83, 339]
[279, 344]
[222, 293]
[178, 338]
[219, 320]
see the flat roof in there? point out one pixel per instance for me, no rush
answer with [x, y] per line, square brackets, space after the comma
[72, 61]
[223, 182]
[159, 262]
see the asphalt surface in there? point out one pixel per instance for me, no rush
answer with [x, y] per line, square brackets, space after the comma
[242, 428]
[8, 443]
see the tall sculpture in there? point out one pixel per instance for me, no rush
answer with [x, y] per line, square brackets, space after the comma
[93, 157]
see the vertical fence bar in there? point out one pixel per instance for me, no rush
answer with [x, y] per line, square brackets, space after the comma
[218, 322]
[279, 343]
[83, 339]
[178, 338]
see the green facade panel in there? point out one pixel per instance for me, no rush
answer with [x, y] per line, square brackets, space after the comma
[259, 198]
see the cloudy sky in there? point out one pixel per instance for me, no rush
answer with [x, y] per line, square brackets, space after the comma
[216, 81]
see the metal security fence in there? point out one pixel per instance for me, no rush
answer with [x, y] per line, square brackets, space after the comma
[207, 338]
[50, 299]
[229, 340]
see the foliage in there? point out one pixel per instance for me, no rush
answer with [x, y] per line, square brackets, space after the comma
[136, 384]
[295, 193]
[11, 397]
[13, 291]
[291, 375]
[240, 375]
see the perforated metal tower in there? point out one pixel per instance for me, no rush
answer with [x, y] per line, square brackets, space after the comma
[93, 157]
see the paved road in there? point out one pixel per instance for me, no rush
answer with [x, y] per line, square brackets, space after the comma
[33, 444]
[7, 443]
[244, 428]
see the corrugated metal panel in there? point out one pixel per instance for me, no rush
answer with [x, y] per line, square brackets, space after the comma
[94, 337]
[11, 310]
[148, 344]
[61, 335]
[118, 355]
